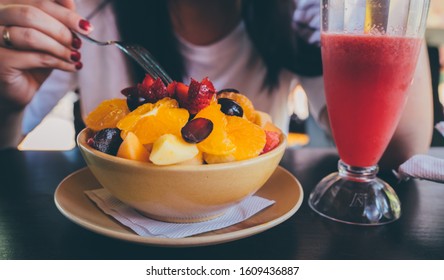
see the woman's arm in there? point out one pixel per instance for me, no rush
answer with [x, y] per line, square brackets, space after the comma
[10, 127]
[414, 132]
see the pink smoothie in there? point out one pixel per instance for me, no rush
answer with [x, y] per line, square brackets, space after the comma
[366, 79]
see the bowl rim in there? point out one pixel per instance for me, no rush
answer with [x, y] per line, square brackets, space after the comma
[81, 143]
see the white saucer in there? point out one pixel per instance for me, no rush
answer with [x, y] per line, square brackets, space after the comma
[282, 187]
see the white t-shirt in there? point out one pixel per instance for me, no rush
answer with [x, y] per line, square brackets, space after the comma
[231, 62]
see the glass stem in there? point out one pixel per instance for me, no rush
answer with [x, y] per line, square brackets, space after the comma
[358, 174]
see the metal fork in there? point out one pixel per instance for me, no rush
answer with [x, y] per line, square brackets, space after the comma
[141, 55]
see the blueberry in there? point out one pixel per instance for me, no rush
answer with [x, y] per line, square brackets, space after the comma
[227, 90]
[107, 140]
[134, 101]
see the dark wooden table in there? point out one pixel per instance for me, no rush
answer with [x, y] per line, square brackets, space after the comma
[31, 227]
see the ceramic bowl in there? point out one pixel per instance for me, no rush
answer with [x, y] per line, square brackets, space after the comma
[180, 193]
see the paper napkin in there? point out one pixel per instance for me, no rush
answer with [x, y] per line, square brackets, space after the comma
[423, 166]
[147, 227]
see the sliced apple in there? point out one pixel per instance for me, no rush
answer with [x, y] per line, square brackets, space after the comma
[197, 160]
[131, 148]
[170, 149]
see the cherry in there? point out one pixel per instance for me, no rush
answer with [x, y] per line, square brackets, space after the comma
[197, 130]
[230, 107]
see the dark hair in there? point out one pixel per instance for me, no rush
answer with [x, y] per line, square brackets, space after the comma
[268, 23]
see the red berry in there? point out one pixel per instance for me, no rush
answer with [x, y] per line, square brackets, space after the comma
[158, 90]
[197, 130]
[272, 141]
[90, 142]
[171, 89]
[182, 94]
[146, 93]
[148, 81]
[207, 85]
[200, 95]
[153, 93]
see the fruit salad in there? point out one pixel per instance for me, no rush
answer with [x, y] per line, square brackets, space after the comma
[181, 124]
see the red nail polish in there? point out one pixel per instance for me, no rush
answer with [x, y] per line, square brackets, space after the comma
[78, 65]
[75, 56]
[76, 43]
[85, 25]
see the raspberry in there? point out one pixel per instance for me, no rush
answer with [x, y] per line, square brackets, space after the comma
[157, 91]
[149, 91]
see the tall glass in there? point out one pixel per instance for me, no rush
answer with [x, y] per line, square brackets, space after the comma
[369, 52]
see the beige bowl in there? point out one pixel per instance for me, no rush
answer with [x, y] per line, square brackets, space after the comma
[180, 193]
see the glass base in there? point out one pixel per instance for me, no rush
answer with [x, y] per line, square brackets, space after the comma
[354, 195]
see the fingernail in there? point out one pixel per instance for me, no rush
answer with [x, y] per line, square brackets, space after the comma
[85, 25]
[75, 56]
[76, 42]
[78, 65]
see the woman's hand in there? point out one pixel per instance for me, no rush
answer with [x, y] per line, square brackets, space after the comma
[36, 38]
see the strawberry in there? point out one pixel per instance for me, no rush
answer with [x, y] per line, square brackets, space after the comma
[208, 85]
[149, 91]
[194, 97]
[171, 89]
[182, 94]
[272, 141]
[200, 95]
[148, 81]
[151, 94]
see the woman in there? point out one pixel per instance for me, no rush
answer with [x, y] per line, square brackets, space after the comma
[254, 46]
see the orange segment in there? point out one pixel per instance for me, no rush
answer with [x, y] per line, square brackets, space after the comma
[243, 101]
[262, 118]
[248, 137]
[107, 114]
[165, 121]
[129, 122]
[150, 121]
[218, 142]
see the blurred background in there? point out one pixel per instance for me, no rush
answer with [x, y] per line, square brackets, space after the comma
[56, 132]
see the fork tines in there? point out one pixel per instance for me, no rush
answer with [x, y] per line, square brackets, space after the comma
[144, 58]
